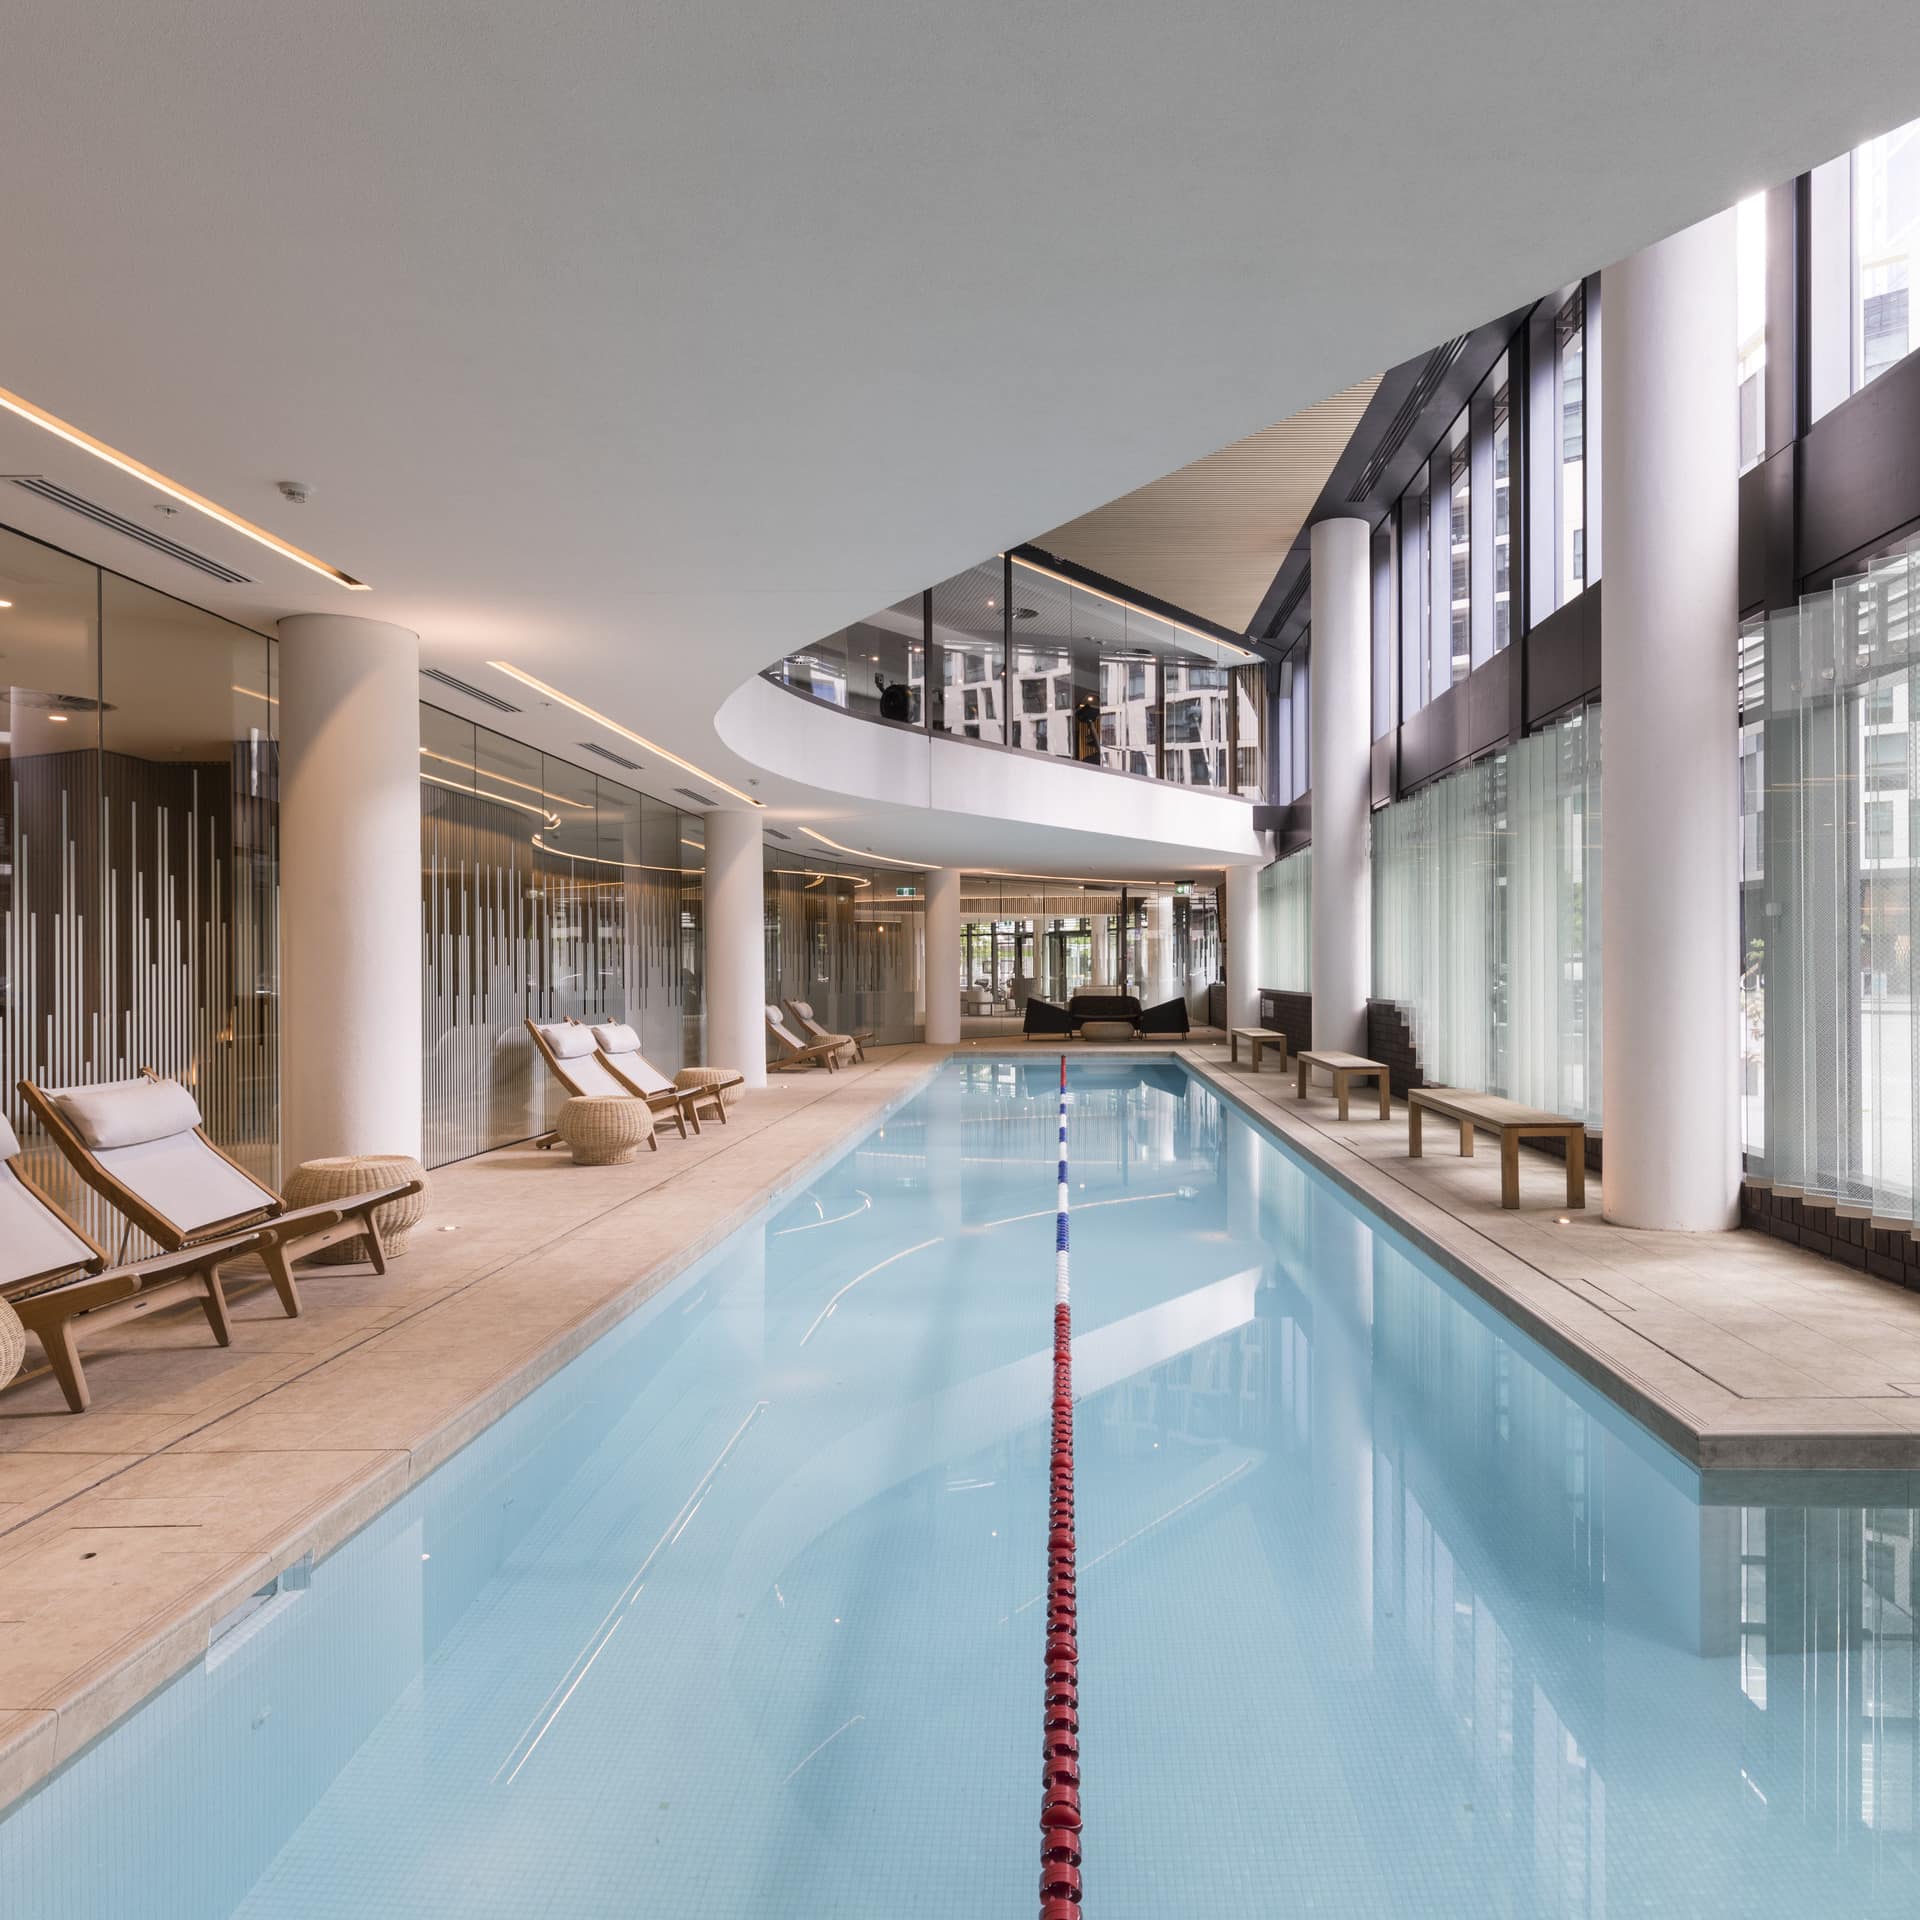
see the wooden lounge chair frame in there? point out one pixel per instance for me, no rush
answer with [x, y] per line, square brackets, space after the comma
[802, 1010]
[281, 1235]
[671, 1108]
[795, 1055]
[680, 1104]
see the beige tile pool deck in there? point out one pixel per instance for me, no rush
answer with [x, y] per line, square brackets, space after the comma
[127, 1533]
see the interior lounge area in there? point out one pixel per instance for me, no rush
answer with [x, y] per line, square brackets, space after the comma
[822, 904]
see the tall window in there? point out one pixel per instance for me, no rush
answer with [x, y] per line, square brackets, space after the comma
[1460, 550]
[1750, 231]
[1886, 242]
[1416, 607]
[1570, 357]
[1502, 507]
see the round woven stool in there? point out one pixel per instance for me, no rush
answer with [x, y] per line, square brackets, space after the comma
[13, 1343]
[314, 1182]
[729, 1084]
[605, 1129]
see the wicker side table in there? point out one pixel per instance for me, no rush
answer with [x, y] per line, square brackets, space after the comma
[13, 1343]
[605, 1130]
[314, 1181]
[729, 1084]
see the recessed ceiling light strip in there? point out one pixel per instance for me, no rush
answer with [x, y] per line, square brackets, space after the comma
[139, 470]
[613, 726]
[854, 853]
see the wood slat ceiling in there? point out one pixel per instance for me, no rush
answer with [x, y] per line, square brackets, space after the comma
[1211, 536]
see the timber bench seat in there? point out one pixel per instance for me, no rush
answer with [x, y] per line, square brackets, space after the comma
[1513, 1123]
[1344, 1069]
[1258, 1039]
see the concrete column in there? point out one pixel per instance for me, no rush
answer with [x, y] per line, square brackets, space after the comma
[1242, 933]
[1669, 914]
[736, 956]
[1340, 730]
[350, 1066]
[943, 957]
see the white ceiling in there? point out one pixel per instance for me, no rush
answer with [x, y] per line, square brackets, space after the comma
[640, 344]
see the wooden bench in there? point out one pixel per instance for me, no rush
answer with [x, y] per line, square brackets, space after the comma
[1345, 1069]
[1258, 1039]
[1513, 1123]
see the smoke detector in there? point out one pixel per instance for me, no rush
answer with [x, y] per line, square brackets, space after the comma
[295, 490]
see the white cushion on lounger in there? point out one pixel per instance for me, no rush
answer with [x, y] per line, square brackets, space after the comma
[615, 1038]
[122, 1113]
[34, 1240]
[565, 1041]
[183, 1179]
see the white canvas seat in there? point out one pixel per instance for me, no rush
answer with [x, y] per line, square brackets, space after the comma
[140, 1144]
[833, 1052]
[691, 1092]
[573, 1060]
[57, 1280]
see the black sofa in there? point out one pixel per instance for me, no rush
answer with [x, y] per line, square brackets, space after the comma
[1048, 1020]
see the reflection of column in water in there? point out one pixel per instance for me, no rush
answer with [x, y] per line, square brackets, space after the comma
[942, 1106]
[1340, 1254]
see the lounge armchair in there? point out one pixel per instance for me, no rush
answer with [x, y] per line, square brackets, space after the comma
[834, 1052]
[1045, 1020]
[802, 1010]
[1170, 1016]
[691, 1092]
[57, 1280]
[574, 1060]
[139, 1144]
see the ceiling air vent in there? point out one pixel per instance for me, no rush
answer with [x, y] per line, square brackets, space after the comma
[1296, 594]
[776, 833]
[119, 523]
[473, 693]
[698, 799]
[607, 753]
[1439, 365]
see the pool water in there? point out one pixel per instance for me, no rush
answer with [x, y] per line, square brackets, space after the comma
[1381, 1611]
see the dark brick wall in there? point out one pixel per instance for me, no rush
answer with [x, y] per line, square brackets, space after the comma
[1288, 1013]
[1889, 1253]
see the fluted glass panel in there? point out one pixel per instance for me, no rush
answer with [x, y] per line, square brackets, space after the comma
[1486, 891]
[549, 893]
[140, 880]
[1286, 923]
[849, 940]
[1831, 1044]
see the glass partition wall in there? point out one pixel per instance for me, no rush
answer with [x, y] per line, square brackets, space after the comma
[1027, 659]
[139, 885]
[849, 940]
[549, 892]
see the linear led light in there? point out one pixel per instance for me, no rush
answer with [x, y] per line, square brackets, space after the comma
[854, 853]
[139, 470]
[1145, 613]
[600, 860]
[505, 780]
[1076, 879]
[613, 726]
[254, 693]
[498, 799]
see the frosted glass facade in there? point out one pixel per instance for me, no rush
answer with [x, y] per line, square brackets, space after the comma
[1486, 930]
[1286, 923]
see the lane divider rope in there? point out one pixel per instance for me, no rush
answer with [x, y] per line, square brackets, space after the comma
[1060, 1758]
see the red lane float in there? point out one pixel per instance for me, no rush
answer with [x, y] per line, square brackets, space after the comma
[1060, 1748]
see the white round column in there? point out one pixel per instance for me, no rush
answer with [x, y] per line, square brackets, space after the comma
[1161, 985]
[736, 955]
[350, 1068]
[1242, 933]
[1340, 746]
[943, 957]
[1669, 611]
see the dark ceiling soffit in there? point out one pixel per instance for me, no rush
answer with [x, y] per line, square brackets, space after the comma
[1411, 408]
[1146, 602]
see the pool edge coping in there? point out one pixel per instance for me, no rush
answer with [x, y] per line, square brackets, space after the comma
[32, 1746]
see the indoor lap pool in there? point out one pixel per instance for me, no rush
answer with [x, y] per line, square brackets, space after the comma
[1381, 1610]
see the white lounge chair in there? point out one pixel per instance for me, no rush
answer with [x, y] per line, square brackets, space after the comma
[834, 1052]
[573, 1060]
[140, 1145]
[802, 1010]
[691, 1092]
[60, 1283]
